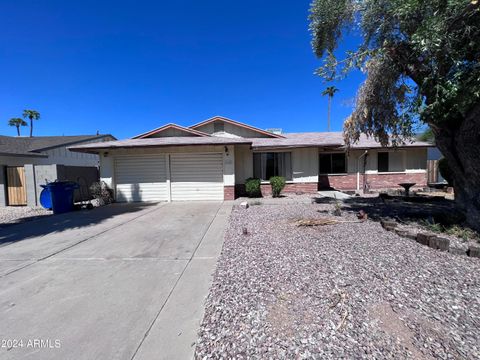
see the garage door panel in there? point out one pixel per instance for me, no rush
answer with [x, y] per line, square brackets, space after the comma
[196, 176]
[142, 178]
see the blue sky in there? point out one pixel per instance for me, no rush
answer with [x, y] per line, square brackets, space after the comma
[124, 67]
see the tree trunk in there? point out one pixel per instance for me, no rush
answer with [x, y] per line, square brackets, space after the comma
[31, 127]
[18, 130]
[460, 145]
[329, 108]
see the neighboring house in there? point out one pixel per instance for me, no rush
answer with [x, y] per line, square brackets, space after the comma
[212, 159]
[28, 162]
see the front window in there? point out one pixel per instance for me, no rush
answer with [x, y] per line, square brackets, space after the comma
[391, 161]
[333, 163]
[266, 165]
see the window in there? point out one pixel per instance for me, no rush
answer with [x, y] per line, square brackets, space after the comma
[383, 162]
[266, 165]
[333, 163]
[391, 161]
[218, 126]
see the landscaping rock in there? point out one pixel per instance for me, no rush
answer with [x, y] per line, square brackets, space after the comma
[388, 225]
[424, 239]
[457, 251]
[442, 243]
[474, 251]
[411, 235]
[350, 291]
[244, 205]
[401, 232]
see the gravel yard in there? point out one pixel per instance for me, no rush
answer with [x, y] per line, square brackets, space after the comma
[350, 290]
[16, 214]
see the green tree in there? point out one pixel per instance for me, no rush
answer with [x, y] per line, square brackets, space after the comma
[427, 135]
[17, 122]
[330, 91]
[31, 115]
[422, 65]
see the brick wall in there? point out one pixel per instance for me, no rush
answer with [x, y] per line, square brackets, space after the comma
[229, 193]
[375, 181]
[308, 188]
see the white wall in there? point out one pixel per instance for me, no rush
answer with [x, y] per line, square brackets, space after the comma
[171, 132]
[304, 164]
[230, 130]
[408, 160]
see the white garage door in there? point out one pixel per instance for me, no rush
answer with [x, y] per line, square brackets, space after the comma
[141, 178]
[196, 176]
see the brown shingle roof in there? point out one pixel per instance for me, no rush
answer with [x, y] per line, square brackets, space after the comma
[323, 139]
[33, 146]
[159, 142]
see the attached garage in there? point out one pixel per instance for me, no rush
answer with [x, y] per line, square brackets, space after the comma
[164, 177]
[141, 178]
[196, 176]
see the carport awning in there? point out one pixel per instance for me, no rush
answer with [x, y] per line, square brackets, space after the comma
[95, 148]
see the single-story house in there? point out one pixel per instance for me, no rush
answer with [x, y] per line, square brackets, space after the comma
[28, 162]
[212, 159]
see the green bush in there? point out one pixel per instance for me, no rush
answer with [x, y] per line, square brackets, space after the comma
[445, 171]
[278, 183]
[252, 187]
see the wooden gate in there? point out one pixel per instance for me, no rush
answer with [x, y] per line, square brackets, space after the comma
[17, 192]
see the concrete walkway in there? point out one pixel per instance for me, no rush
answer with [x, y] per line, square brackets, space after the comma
[119, 282]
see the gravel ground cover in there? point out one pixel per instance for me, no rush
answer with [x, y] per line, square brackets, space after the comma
[349, 290]
[15, 214]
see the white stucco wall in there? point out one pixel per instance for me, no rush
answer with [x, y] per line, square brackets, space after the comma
[408, 160]
[230, 130]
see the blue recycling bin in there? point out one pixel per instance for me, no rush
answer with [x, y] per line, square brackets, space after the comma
[61, 195]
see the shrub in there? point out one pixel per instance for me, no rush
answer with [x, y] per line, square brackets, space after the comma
[445, 171]
[101, 192]
[252, 187]
[277, 183]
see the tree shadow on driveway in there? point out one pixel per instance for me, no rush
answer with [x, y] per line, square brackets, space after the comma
[44, 225]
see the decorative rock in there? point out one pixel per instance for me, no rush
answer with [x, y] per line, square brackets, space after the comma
[424, 239]
[474, 251]
[401, 232]
[457, 251]
[411, 235]
[439, 243]
[442, 243]
[388, 225]
[244, 204]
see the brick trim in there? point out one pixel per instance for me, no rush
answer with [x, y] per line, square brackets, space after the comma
[229, 193]
[375, 181]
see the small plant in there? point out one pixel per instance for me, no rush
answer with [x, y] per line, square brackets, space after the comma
[101, 192]
[252, 187]
[461, 232]
[337, 207]
[277, 183]
[431, 225]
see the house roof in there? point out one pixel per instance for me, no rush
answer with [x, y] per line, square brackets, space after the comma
[236, 123]
[333, 140]
[170, 126]
[159, 142]
[325, 139]
[33, 146]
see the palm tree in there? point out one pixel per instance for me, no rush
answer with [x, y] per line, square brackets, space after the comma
[17, 122]
[32, 115]
[330, 91]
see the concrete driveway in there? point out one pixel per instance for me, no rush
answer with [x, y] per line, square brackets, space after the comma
[118, 282]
